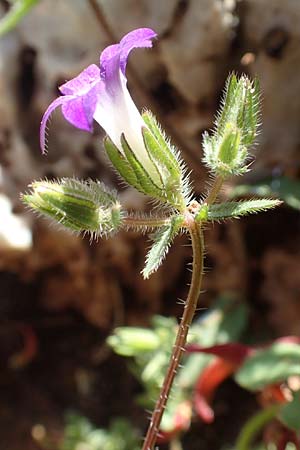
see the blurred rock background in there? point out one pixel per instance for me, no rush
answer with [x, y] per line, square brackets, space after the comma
[61, 294]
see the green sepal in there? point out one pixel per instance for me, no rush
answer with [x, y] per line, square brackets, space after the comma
[167, 167]
[167, 160]
[240, 107]
[162, 241]
[159, 147]
[131, 169]
[134, 173]
[221, 211]
[120, 163]
[251, 113]
[146, 184]
[229, 106]
[229, 146]
[81, 206]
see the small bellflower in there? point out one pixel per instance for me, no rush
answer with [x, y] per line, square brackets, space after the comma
[135, 145]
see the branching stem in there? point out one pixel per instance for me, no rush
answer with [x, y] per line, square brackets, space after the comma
[178, 348]
[148, 222]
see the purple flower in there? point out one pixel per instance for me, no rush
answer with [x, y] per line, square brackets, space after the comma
[101, 94]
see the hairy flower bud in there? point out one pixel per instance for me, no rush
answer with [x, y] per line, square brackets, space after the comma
[81, 206]
[226, 150]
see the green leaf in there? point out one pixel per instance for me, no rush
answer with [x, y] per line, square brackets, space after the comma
[220, 211]
[19, 9]
[268, 366]
[285, 188]
[290, 413]
[162, 241]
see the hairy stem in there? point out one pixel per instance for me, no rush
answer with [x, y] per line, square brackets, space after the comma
[178, 348]
[145, 222]
[215, 189]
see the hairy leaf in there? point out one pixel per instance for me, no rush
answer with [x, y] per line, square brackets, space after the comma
[227, 210]
[162, 241]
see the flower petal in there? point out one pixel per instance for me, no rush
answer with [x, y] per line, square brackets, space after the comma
[115, 56]
[233, 352]
[80, 110]
[116, 112]
[83, 82]
[140, 38]
[57, 102]
[206, 385]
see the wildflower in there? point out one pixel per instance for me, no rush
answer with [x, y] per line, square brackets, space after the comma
[136, 145]
[101, 94]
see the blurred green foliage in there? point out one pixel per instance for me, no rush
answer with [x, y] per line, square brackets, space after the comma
[282, 187]
[150, 352]
[80, 434]
[18, 9]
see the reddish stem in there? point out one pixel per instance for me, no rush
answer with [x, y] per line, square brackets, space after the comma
[178, 349]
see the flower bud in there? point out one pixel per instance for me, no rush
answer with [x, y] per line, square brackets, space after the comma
[81, 206]
[226, 151]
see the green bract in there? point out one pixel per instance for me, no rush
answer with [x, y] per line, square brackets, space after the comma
[226, 151]
[86, 206]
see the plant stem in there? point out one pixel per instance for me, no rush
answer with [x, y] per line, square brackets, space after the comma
[253, 427]
[142, 222]
[178, 348]
[215, 189]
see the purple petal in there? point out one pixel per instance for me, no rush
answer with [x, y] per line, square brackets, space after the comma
[57, 102]
[115, 56]
[83, 82]
[142, 37]
[79, 113]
